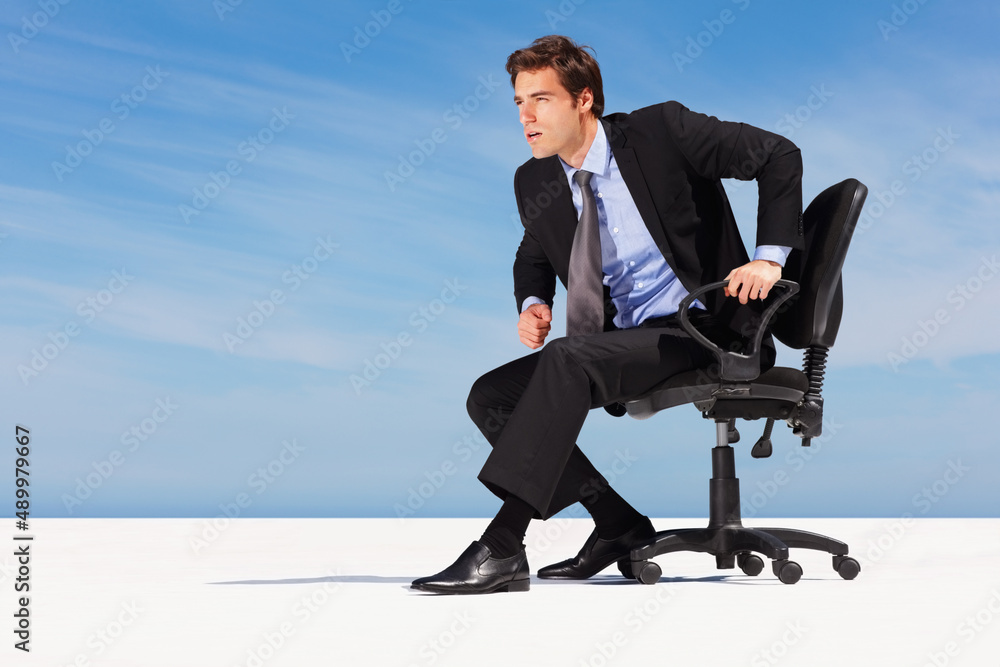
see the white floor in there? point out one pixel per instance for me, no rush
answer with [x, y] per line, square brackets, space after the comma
[249, 592]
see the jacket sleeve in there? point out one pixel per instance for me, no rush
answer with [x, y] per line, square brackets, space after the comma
[533, 272]
[718, 149]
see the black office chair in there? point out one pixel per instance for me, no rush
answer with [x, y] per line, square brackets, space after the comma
[806, 311]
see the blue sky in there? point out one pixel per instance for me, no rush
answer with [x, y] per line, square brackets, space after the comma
[215, 215]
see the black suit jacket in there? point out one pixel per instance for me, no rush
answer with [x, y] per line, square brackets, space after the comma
[672, 160]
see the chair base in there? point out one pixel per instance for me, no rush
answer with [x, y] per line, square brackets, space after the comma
[736, 545]
[731, 542]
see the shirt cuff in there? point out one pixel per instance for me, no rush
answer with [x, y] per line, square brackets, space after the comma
[772, 253]
[530, 301]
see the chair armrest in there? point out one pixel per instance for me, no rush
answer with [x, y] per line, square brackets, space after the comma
[735, 367]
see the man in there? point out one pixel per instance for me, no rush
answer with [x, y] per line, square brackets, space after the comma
[630, 212]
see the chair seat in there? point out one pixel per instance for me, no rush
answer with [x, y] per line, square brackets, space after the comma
[781, 383]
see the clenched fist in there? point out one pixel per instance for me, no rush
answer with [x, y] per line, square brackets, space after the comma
[534, 325]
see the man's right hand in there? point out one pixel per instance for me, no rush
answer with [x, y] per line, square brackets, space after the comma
[534, 325]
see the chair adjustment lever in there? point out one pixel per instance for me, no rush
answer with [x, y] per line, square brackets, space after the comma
[762, 448]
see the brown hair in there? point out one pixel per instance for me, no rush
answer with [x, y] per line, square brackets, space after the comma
[576, 68]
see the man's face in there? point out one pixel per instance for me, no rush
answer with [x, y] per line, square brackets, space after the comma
[554, 122]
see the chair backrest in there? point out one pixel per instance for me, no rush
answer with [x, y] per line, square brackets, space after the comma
[813, 315]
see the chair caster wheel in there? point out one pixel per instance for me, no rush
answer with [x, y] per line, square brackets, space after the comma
[650, 573]
[788, 571]
[751, 564]
[846, 567]
[625, 567]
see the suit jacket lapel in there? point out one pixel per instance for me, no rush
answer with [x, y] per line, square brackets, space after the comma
[632, 175]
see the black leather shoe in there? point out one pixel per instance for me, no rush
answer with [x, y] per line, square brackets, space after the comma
[597, 554]
[476, 571]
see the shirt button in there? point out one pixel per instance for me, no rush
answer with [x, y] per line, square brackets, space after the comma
[601, 195]
[639, 285]
[631, 263]
[616, 230]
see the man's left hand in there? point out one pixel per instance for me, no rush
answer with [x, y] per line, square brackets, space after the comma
[753, 280]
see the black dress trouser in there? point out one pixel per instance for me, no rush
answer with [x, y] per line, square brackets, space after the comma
[532, 409]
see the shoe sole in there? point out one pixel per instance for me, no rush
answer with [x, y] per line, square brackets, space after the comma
[581, 577]
[515, 586]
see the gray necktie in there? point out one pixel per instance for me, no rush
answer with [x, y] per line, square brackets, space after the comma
[585, 290]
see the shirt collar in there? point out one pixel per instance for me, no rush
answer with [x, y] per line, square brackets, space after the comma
[598, 160]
